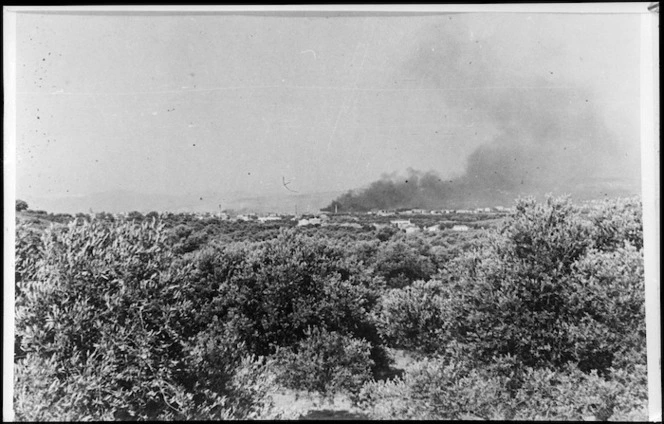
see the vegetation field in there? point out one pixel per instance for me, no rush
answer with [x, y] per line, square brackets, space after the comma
[537, 315]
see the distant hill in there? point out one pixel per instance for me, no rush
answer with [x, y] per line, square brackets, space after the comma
[126, 201]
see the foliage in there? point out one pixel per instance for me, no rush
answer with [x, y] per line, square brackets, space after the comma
[21, 205]
[386, 233]
[434, 389]
[325, 362]
[271, 292]
[169, 316]
[184, 239]
[29, 250]
[400, 263]
[543, 290]
[446, 388]
[616, 221]
[100, 324]
[412, 318]
[606, 308]
[447, 246]
[135, 216]
[540, 292]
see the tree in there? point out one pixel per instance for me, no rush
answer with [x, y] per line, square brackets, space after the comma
[21, 205]
[547, 293]
[152, 215]
[135, 216]
[271, 292]
[103, 332]
[400, 264]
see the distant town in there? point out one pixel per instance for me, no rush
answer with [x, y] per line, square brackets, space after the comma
[323, 215]
[406, 220]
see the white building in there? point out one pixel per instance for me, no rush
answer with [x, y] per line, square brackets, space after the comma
[311, 221]
[264, 219]
[460, 228]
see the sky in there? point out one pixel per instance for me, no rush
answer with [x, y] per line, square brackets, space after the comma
[187, 103]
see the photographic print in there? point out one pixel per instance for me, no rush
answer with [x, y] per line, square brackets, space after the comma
[331, 213]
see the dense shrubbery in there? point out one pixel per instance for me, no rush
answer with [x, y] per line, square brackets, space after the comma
[184, 239]
[412, 318]
[443, 389]
[174, 318]
[271, 292]
[325, 362]
[400, 262]
[100, 325]
[540, 291]
[555, 291]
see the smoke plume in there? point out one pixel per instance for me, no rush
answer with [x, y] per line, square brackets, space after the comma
[550, 134]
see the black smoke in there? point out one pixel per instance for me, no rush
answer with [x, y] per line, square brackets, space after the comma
[416, 189]
[549, 136]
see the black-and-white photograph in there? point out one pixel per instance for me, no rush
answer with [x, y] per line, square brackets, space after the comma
[361, 213]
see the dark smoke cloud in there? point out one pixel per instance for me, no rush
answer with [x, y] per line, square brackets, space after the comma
[416, 189]
[550, 134]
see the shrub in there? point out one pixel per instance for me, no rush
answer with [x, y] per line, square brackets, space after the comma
[21, 205]
[385, 233]
[400, 264]
[570, 394]
[271, 292]
[325, 362]
[184, 239]
[445, 388]
[616, 221]
[542, 293]
[413, 317]
[605, 310]
[104, 331]
[29, 249]
[435, 389]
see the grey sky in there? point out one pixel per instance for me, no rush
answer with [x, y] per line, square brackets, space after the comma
[187, 103]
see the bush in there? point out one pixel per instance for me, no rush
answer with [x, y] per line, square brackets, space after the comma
[184, 239]
[400, 264]
[570, 394]
[605, 310]
[272, 292]
[21, 205]
[615, 222]
[541, 292]
[413, 317]
[454, 388]
[543, 319]
[385, 233]
[435, 389]
[104, 333]
[325, 362]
